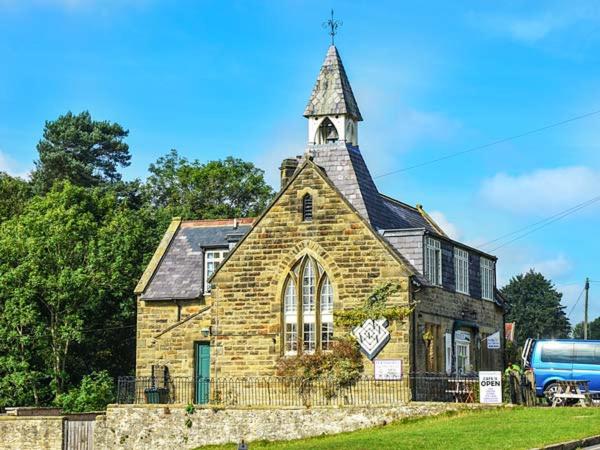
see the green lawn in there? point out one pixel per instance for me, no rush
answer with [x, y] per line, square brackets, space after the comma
[503, 428]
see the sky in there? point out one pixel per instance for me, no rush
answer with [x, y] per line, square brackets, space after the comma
[219, 78]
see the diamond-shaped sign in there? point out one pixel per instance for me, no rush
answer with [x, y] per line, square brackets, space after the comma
[372, 336]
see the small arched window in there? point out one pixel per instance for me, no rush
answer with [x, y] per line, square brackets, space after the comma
[307, 208]
[307, 309]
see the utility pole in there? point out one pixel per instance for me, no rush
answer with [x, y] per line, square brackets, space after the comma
[585, 320]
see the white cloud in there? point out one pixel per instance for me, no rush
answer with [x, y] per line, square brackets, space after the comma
[10, 166]
[550, 268]
[542, 190]
[449, 228]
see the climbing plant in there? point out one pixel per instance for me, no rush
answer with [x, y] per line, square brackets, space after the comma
[374, 307]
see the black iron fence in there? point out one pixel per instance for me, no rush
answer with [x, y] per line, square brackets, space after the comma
[284, 391]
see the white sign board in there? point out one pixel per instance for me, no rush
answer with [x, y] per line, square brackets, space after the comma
[493, 341]
[490, 387]
[388, 369]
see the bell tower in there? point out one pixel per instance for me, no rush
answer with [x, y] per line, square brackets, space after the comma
[332, 112]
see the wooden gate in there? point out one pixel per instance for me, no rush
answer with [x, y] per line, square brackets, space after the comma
[78, 432]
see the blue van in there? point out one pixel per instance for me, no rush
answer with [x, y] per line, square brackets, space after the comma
[562, 359]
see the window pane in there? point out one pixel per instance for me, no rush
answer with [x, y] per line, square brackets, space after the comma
[308, 287]
[290, 297]
[326, 335]
[326, 297]
[433, 261]
[291, 338]
[212, 259]
[557, 352]
[587, 353]
[309, 337]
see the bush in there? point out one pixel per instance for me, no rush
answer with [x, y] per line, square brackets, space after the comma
[93, 394]
[343, 365]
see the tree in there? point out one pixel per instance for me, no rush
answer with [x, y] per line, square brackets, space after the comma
[218, 189]
[68, 266]
[81, 150]
[593, 329]
[535, 306]
[14, 193]
[95, 392]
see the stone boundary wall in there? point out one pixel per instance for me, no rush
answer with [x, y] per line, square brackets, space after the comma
[167, 427]
[31, 433]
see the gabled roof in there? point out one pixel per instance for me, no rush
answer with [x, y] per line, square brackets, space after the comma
[308, 162]
[178, 271]
[332, 93]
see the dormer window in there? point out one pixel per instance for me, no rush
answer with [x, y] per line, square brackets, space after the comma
[307, 208]
[212, 259]
[433, 261]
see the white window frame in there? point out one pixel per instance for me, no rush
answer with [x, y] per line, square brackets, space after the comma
[290, 312]
[461, 270]
[307, 287]
[326, 301]
[212, 257]
[433, 260]
[463, 352]
[488, 278]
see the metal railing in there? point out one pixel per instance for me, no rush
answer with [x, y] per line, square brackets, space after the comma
[284, 391]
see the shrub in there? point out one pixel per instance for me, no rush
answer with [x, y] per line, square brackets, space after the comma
[342, 366]
[93, 394]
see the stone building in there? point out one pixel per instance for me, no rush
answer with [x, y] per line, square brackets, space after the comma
[232, 297]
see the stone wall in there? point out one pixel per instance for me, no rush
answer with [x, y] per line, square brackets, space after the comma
[31, 433]
[442, 307]
[247, 309]
[166, 337]
[162, 427]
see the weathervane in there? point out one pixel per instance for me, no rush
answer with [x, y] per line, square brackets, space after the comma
[333, 25]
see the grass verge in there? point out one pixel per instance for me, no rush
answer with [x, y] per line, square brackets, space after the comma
[502, 428]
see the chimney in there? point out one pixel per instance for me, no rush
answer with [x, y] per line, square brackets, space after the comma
[287, 169]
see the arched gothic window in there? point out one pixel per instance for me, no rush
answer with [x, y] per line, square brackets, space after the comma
[307, 309]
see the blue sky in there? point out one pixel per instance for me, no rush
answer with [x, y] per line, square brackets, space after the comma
[218, 78]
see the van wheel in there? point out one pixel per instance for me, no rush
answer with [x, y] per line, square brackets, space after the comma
[549, 392]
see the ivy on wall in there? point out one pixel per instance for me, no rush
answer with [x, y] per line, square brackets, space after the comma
[375, 307]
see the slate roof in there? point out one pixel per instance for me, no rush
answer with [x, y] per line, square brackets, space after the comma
[180, 273]
[332, 93]
[345, 166]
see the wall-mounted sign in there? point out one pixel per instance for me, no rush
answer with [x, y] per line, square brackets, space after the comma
[464, 336]
[388, 369]
[490, 387]
[372, 336]
[493, 341]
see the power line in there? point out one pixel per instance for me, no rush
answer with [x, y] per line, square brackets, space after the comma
[578, 298]
[555, 219]
[568, 210]
[490, 144]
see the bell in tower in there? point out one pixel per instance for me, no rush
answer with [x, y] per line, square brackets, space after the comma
[327, 132]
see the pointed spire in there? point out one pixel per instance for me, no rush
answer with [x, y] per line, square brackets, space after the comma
[332, 94]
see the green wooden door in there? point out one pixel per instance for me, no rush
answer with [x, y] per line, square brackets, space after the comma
[202, 372]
